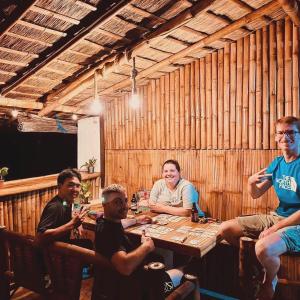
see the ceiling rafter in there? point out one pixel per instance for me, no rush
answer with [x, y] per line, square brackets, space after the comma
[292, 9]
[74, 35]
[18, 52]
[83, 81]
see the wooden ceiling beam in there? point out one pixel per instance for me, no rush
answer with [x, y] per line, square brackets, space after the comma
[41, 28]
[75, 34]
[159, 33]
[248, 8]
[29, 39]
[13, 63]
[144, 13]
[54, 14]
[18, 52]
[265, 9]
[22, 8]
[8, 72]
[86, 5]
[112, 35]
[33, 105]
[291, 8]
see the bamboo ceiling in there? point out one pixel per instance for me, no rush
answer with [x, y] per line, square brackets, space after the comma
[50, 49]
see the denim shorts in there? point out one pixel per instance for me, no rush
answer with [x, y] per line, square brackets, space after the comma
[291, 237]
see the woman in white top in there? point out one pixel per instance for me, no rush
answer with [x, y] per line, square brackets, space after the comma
[173, 194]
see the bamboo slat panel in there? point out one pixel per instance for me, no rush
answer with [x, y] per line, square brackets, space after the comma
[21, 212]
[229, 99]
[220, 176]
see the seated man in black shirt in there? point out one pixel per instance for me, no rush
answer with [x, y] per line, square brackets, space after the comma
[112, 242]
[56, 222]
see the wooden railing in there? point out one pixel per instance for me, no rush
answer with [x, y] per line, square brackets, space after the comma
[22, 201]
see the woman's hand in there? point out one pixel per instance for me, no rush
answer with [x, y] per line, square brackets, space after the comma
[143, 219]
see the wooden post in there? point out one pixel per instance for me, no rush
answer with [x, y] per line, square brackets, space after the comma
[4, 286]
[296, 77]
[220, 99]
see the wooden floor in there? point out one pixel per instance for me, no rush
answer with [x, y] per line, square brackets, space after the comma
[85, 294]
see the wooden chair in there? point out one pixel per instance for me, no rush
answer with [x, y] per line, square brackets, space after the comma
[251, 273]
[21, 264]
[64, 263]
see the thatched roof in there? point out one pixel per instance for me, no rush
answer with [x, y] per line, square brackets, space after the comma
[50, 49]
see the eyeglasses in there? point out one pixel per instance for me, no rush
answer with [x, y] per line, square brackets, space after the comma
[288, 133]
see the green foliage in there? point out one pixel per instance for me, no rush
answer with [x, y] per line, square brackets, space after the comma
[90, 163]
[3, 172]
[85, 192]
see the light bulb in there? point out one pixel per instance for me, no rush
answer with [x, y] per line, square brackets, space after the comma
[135, 101]
[96, 107]
[14, 113]
[74, 117]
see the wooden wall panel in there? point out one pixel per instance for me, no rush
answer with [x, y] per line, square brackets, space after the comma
[228, 100]
[215, 115]
[220, 176]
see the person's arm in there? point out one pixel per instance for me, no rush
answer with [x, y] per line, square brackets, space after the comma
[177, 211]
[257, 187]
[143, 219]
[126, 263]
[293, 219]
[50, 235]
[154, 194]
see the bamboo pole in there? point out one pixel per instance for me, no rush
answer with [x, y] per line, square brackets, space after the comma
[291, 8]
[193, 109]
[203, 105]
[172, 111]
[154, 120]
[208, 100]
[144, 129]
[163, 112]
[296, 78]
[220, 99]
[232, 94]
[149, 118]
[239, 93]
[280, 69]
[245, 129]
[272, 82]
[127, 131]
[265, 95]
[214, 99]
[288, 66]
[181, 108]
[197, 104]
[187, 106]
[226, 96]
[252, 92]
[177, 109]
[123, 122]
[137, 124]
[159, 116]
[167, 111]
[258, 90]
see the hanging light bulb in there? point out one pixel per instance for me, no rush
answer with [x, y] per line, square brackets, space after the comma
[14, 113]
[135, 99]
[96, 106]
[74, 117]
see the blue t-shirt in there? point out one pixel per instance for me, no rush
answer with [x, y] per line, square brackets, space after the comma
[286, 181]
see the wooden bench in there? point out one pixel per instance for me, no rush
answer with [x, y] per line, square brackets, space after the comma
[21, 262]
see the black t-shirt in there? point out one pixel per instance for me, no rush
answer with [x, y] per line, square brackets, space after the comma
[55, 214]
[111, 238]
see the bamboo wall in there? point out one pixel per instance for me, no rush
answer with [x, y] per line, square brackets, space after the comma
[22, 212]
[215, 115]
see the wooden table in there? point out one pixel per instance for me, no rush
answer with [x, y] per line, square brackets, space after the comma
[196, 239]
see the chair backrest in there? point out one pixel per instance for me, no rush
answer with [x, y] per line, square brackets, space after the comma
[64, 263]
[24, 263]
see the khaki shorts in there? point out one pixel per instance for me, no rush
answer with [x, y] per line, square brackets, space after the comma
[253, 225]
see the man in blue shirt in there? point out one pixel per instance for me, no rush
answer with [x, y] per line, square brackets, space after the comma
[279, 231]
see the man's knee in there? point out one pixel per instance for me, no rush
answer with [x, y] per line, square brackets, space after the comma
[262, 249]
[228, 227]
